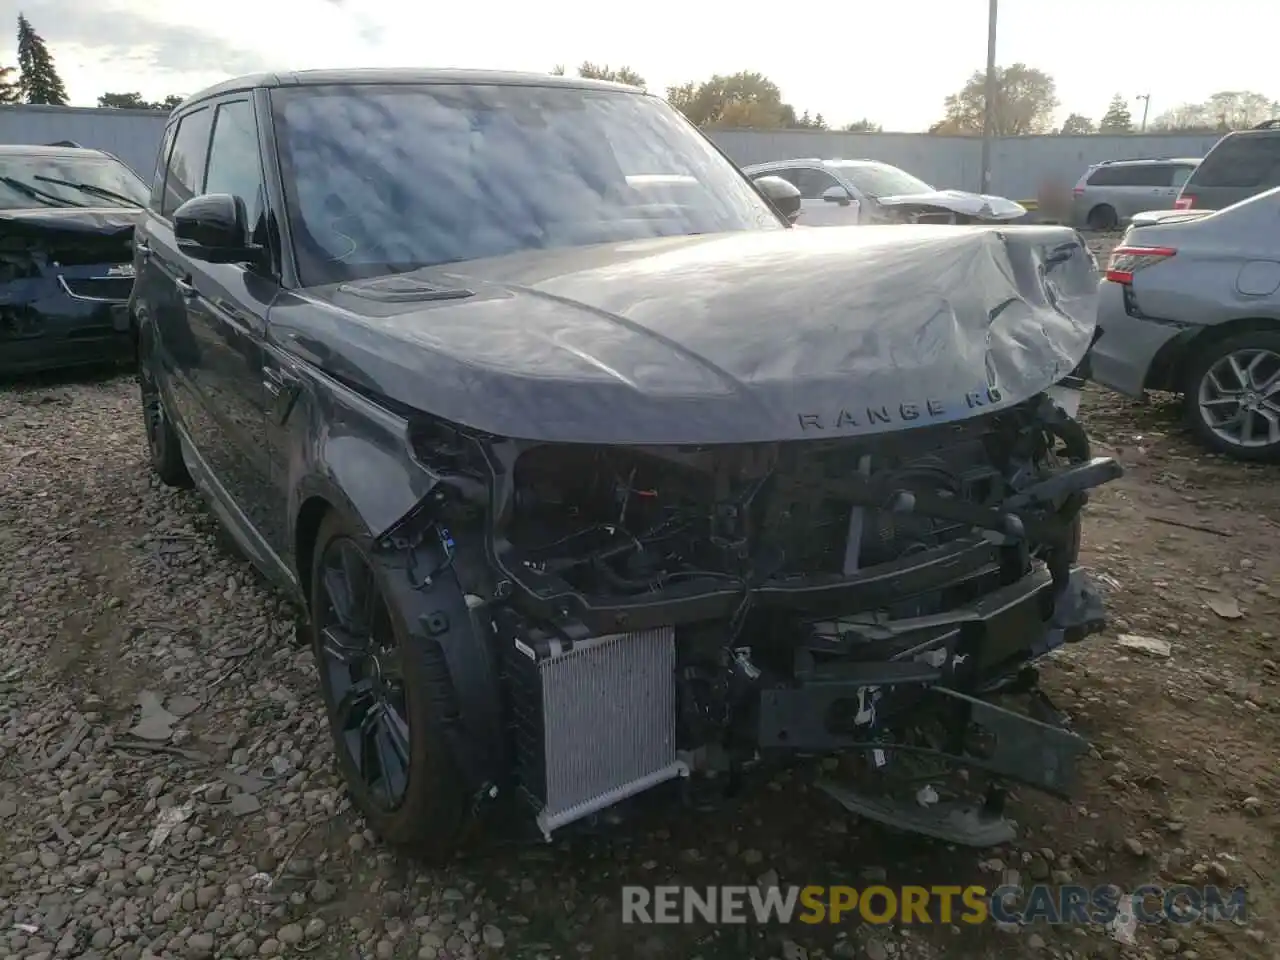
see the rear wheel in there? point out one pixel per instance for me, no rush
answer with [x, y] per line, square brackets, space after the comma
[383, 694]
[163, 448]
[1233, 396]
[1103, 217]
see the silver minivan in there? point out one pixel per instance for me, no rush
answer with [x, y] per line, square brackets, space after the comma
[1111, 192]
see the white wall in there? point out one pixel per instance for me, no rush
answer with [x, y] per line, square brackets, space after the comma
[132, 135]
[1020, 166]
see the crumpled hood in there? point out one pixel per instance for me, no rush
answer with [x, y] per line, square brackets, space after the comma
[754, 336]
[980, 205]
[63, 221]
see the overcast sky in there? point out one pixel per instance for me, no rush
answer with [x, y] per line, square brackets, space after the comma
[892, 62]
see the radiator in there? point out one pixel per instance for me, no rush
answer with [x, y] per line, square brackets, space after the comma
[594, 721]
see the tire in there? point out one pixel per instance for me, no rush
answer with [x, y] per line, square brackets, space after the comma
[1103, 217]
[163, 447]
[429, 813]
[1209, 380]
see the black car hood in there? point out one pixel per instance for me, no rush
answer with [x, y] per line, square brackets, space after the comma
[743, 337]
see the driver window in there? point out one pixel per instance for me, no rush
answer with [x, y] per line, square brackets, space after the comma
[235, 166]
[814, 183]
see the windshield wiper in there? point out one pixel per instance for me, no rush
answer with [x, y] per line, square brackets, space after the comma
[28, 190]
[91, 189]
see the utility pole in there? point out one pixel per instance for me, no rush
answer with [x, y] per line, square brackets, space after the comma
[1146, 104]
[989, 105]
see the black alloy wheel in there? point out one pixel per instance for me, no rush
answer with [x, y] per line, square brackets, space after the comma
[360, 657]
[381, 687]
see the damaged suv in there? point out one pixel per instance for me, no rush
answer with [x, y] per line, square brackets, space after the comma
[66, 270]
[591, 474]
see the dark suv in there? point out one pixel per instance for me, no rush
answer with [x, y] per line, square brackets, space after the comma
[66, 259]
[1241, 164]
[588, 472]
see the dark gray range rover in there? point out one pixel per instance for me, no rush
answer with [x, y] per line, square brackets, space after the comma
[592, 475]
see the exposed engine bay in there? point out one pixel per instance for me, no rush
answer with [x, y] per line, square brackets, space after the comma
[659, 611]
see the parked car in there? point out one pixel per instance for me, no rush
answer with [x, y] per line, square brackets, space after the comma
[867, 191]
[66, 257]
[1109, 193]
[1190, 303]
[1240, 165]
[587, 478]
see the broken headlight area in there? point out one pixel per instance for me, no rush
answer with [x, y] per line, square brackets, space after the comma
[660, 611]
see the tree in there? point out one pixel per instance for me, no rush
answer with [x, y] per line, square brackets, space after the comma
[746, 100]
[39, 81]
[1025, 101]
[134, 101]
[591, 71]
[1225, 110]
[10, 87]
[862, 126]
[1076, 124]
[1117, 119]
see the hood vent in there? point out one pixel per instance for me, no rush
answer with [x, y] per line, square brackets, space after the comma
[404, 290]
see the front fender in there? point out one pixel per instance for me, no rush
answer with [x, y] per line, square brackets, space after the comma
[354, 454]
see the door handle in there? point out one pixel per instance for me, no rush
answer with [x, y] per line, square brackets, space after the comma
[143, 248]
[185, 288]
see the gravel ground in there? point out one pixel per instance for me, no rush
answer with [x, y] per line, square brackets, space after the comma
[167, 786]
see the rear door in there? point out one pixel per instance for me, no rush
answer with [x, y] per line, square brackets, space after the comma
[1239, 166]
[163, 279]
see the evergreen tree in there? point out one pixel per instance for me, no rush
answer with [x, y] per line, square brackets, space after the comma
[39, 82]
[1117, 119]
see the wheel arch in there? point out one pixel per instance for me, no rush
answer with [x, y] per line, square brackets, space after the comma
[1170, 366]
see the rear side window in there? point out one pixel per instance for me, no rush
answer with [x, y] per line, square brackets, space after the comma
[162, 162]
[1246, 162]
[186, 161]
[1133, 175]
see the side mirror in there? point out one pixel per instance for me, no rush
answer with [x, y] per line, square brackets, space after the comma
[213, 228]
[837, 195]
[783, 195]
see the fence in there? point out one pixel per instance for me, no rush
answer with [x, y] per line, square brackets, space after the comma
[1022, 167]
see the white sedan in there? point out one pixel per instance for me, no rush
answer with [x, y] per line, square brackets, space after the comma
[840, 192]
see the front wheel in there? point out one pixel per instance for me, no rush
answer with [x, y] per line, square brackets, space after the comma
[1233, 396]
[383, 694]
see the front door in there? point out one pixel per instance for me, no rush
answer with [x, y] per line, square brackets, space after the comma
[227, 309]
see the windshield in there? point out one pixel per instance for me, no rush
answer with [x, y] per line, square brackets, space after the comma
[63, 181]
[382, 179]
[881, 180]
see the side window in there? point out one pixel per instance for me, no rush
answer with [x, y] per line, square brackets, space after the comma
[1180, 175]
[186, 162]
[786, 173]
[235, 164]
[162, 162]
[1154, 174]
[814, 183]
[1105, 177]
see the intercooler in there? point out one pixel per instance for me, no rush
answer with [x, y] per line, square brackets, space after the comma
[594, 720]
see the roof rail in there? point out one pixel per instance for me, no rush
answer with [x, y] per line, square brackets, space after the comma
[65, 143]
[1267, 125]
